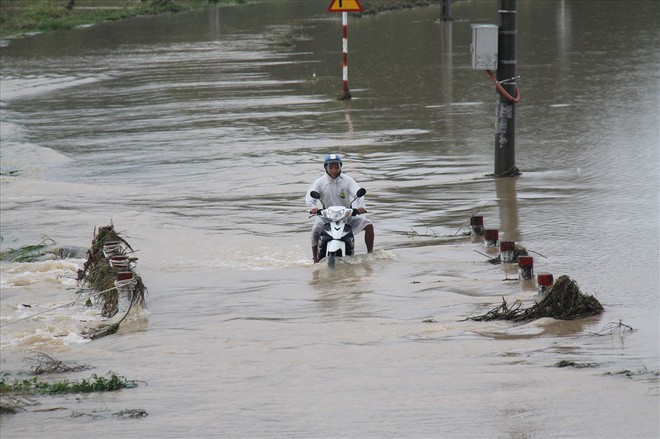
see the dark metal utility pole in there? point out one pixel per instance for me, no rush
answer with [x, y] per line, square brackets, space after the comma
[505, 132]
[445, 10]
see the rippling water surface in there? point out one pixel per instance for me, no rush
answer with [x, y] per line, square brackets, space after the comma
[197, 135]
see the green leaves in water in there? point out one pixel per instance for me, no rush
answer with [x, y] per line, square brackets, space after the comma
[28, 253]
[95, 383]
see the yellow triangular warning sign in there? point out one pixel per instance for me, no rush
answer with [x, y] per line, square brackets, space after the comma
[345, 6]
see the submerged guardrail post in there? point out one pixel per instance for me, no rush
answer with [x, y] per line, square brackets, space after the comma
[477, 225]
[507, 251]
[491, 236]
[525, 268]
[545, 281]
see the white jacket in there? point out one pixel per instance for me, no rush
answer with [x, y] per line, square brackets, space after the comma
[338, 191]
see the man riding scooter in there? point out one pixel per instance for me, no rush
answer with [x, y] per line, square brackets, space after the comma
[337, 189]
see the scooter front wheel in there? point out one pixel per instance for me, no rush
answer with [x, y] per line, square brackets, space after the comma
[332, 260]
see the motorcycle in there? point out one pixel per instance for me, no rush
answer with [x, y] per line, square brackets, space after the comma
[337, 238]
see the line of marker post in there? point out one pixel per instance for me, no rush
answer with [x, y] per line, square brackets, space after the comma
[116, 256]
[508, 254]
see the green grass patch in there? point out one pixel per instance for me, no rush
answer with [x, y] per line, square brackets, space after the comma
[95, 383]
[19, 18]
[28, 253]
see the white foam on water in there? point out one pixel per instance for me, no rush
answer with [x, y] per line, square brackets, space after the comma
[12, 88]
[41, 307]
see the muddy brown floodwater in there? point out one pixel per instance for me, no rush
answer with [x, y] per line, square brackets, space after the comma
[197, 136]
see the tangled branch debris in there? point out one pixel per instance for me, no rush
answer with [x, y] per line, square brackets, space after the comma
[12, 404]
[131, 414]
[614, 328]
[568, 363]
[99, 275]
[563, 301]
[43, 363]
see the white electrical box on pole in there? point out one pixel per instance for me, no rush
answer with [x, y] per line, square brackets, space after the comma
[484, 46]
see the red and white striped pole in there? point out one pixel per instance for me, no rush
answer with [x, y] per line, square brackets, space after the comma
[345, 6]
[344, 28]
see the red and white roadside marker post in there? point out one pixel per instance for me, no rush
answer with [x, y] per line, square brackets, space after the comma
[346, 94]
[477, 225]
[525, 268]
[491, 236]
[345, 6]
[545, 281]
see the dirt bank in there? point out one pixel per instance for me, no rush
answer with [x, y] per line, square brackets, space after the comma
[373, 7]
[18, 19]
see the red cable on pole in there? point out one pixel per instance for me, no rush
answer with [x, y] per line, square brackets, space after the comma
[505, 93]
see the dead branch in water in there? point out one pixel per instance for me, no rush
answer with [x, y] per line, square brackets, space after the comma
[473, 214]
[43, 363]
[563, 301]
[501, 312]
[100, 275]
[614, 328]
[567, 363]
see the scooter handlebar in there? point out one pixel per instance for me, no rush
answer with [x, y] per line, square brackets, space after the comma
[354, 212]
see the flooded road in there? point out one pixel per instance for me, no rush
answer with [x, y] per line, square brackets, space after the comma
[197, 136]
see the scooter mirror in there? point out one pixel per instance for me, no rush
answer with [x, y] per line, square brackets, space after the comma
[360, 192]
[315, 195]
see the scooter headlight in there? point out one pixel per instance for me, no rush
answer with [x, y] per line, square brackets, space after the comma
[335, 214]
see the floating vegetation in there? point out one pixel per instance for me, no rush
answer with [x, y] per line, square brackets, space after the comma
[651, 375]
[28, 253]
[624, 372]
[429, 231]
[501, 312]
[566, 363]
[563, 301]
[614, 328]
[104, 414]
[44, 363]
[131, 414]
[21, 393]
[18, 394]
[11, 173]
[96, 383]
[11, 404]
